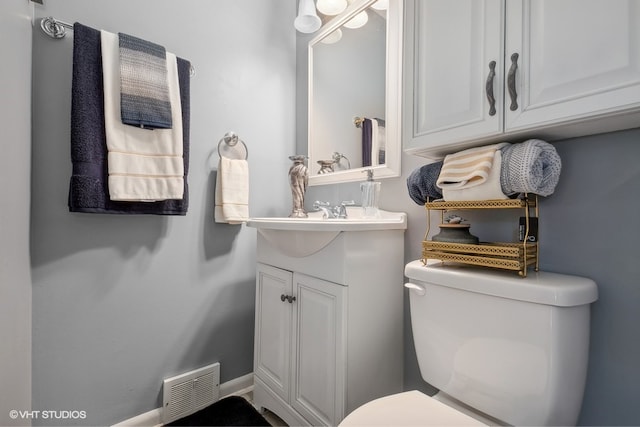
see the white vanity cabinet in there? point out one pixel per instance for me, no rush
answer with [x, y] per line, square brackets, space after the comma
[329, 325]
[299, 341]
[555, 69]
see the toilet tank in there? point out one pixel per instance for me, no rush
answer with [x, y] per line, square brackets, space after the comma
[510, 347]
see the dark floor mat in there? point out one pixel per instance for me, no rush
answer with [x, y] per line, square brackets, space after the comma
[230, 411]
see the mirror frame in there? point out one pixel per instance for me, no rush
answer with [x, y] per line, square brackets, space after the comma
[393, 95]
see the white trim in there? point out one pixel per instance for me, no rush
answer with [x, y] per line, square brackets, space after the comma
[151, 418]
[235, 387]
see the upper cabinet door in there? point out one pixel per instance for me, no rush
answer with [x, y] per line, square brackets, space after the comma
[576, 59]
[454, 62]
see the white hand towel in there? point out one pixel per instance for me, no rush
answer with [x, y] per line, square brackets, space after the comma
[488, 190]
[467, 168]
[143, 165]
[232, 191]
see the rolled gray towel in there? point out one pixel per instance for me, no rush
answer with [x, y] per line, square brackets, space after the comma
[422, 183]
[532, 166]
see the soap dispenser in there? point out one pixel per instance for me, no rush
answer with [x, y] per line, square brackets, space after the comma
[370, 190]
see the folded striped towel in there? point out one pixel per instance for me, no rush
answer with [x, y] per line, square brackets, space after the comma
[468, 168]
[144, 89]
[488, 190]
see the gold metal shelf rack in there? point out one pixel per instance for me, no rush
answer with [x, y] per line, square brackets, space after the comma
[509, 256]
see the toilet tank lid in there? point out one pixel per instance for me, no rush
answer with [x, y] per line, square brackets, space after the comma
[538, 287]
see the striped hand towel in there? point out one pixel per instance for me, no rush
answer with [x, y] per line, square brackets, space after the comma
[144, 90]
[468, 168]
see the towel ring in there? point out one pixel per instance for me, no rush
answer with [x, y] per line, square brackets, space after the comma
[228, 147]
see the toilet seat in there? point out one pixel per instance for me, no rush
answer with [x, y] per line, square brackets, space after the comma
[410, 408]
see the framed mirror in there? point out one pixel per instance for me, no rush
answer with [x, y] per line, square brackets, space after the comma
[355, 71]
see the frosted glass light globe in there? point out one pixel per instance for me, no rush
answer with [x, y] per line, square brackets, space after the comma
[381, 5]
[358, 21]
[333, 37]
[331, 7]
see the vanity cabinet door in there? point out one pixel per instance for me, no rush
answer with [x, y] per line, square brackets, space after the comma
[272, 346]
[300, 342]
[577, 59]
[319, 350]
[454, 55]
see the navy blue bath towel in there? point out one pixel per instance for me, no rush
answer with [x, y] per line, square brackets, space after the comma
[367, 129]
[88, 191]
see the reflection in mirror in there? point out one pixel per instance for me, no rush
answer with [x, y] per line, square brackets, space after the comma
[354, 89]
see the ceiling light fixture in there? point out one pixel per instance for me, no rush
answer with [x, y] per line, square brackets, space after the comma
[307, 20]
[332, 38]
[380, 5]
[358, 21]
[331, 7]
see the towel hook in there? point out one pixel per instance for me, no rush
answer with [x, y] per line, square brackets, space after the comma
[228, 147]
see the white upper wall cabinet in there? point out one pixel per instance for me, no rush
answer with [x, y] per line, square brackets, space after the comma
[478, 71]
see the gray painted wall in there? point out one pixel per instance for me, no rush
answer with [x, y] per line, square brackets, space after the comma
[15, 274]
[121, 302]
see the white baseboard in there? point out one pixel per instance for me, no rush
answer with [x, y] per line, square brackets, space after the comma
[152, 418]
[235, 387]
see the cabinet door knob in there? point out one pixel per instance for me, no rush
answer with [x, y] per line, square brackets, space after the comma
[283, 297]
[511, 82]
[489, 88]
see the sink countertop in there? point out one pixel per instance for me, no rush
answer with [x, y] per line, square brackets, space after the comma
[355, 221]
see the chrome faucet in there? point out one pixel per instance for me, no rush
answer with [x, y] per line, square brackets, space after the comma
[328, 211]
[324, 207]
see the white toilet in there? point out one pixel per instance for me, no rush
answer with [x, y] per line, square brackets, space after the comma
[500, 348]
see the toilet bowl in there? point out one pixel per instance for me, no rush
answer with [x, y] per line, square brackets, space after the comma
[501, 350]
[411, 408]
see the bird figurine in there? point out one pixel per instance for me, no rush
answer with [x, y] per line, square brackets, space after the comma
[454, 219]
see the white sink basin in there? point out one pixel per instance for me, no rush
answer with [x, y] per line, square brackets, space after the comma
[301, 237]
[354, 222]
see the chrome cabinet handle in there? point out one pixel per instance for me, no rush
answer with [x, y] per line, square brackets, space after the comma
[511, 82]
[489, 88]
[288, 298]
